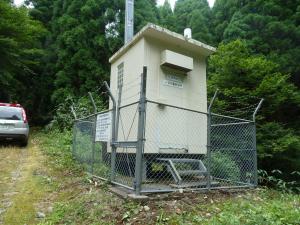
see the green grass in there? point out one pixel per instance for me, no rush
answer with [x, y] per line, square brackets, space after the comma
[57, 146]
[24, 183]
[82, 201]
[268, 207]
[262, 207]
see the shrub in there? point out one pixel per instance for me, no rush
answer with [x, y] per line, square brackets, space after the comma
[223, 166]
[63, 118]
[277, 183]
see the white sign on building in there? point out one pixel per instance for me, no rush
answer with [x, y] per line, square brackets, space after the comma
[173, 81]
[103, 127]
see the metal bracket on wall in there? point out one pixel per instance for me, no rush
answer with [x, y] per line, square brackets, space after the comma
[125, 144]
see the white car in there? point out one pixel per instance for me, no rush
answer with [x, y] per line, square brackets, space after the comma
[13, 123]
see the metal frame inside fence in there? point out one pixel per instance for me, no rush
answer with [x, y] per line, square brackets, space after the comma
[224, 157]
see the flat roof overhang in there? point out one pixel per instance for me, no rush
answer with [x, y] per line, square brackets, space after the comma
[165, 35]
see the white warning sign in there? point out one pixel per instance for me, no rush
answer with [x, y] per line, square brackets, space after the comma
[103, 127]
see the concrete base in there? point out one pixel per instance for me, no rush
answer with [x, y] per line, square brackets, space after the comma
[138, 197]
[120, 192]
[128, 194]
[194, 184]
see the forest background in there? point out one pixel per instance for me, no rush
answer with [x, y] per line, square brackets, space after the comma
[55, 51]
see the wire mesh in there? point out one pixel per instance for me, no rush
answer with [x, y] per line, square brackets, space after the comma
[83, 141]
[91, 154]
[95, 156]
[233, 151]
[125, 157]
[176, 150]
[175, 143]
[183, 149]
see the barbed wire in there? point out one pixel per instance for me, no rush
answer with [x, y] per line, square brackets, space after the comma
[252, 106]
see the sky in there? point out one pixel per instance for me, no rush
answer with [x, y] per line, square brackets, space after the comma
[18, 2]
[160, 2]
[172, 2]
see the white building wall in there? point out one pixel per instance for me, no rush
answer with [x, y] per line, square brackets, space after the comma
[133, 67]
[168, 130]
[171, 130]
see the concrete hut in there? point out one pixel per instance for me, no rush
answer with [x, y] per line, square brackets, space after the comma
[176, 91]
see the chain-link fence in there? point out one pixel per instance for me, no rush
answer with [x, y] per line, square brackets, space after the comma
[95, 155]
[175, 149]
[156, 147]
[91, 154]
[233, 151]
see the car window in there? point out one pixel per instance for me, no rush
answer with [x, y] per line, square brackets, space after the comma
[10, 113]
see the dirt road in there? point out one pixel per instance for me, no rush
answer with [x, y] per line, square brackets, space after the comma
[22, 184]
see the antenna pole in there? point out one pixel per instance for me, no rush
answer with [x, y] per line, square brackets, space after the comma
[129, 20]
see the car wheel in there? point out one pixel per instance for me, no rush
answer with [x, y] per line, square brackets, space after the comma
[24, 143]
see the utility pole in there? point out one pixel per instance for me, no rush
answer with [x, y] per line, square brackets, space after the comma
[129, 20]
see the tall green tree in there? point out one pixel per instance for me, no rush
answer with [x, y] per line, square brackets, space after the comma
[237, 72]
[82, 37]
[145, 12]
[270, 27]
[166, 16]
[20, 50]
[222, 13]
[81, 48]
[195, 14]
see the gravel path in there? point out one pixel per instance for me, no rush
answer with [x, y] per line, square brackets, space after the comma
[21, 184]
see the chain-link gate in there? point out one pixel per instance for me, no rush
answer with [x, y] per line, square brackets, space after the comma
[233, 151]
[156, 147]
[91, 154]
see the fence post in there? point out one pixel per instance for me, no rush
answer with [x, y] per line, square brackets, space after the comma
[74, 139]
[93, 142]
[209, 140]
[93, 102]
[113, 134]
[141, 134]
[93, 131]
[74, 131]
[254, 142]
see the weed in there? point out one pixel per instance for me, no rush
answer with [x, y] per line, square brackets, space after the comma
[87, 203]
[273, 181]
